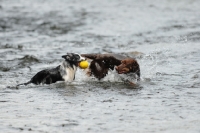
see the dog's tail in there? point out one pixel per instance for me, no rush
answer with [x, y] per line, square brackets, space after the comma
[24, 83]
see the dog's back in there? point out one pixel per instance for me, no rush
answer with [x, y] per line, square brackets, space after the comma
[47, 76]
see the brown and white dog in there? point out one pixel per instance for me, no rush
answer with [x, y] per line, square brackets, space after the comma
[102, 63]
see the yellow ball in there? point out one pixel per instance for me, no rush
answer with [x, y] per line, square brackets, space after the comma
[84, 64]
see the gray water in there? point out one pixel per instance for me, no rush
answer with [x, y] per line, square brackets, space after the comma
[162, 35]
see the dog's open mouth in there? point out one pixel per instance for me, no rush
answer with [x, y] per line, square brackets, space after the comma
[122, 72]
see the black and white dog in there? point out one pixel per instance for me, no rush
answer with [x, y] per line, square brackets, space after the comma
[64, 72]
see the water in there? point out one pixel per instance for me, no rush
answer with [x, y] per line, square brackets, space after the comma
[163, 35]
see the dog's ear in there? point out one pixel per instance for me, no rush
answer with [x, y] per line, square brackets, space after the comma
[66, 57]
[98, 69]
[69, 56]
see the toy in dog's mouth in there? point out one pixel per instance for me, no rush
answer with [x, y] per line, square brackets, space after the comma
[83, 64]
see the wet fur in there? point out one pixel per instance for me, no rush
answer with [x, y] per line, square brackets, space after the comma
[101, 63]
[64, 72]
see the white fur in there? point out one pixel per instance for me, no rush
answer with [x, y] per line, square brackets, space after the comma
[70, 73]
[97, 66]
[67, 71]
[81, 58]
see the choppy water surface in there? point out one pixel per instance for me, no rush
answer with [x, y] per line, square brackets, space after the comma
[163, 35]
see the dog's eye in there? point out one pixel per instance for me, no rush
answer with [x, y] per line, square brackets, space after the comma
[76, 56]
[123, 62]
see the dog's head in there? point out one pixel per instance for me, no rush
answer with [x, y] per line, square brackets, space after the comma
[127, 66]
[73, 57]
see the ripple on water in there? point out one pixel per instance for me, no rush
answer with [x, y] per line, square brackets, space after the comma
[166, 47]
